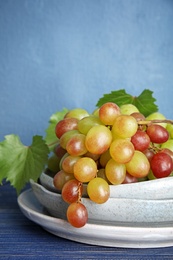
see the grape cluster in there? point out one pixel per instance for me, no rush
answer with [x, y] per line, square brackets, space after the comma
[113, 145]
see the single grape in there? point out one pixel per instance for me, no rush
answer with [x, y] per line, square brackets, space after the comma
[76, 145]
[68, 163]
[161, 165]
[98, 139]
[98, 190]
[128, 109]
[61, 178]
[124, 126]
[115, 172]
[138, 116]
[121, 150]
[168, 144]
[85, 169]
[108, 112]
[168, 151]
[65, 125]
[77, 214]
[78, 113]
[157, 116]
[85, 124]
[72, 191]
[66, 137]
[139, 165]
[157, 133]
[140, 140]
[169, 128]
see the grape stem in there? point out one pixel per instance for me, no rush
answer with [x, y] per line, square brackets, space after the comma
[148, 122]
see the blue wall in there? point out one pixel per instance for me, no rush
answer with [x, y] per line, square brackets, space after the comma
[68, 53]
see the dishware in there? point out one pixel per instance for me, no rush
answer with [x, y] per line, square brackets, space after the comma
[97, 234]
[137, 212]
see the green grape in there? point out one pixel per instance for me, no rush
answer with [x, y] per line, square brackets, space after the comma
[122, 150]
[155, 116]
[98, 190]
[77, 214]
[98, 139]
[115, 172]
[125, 126]
[85, 169]
[170, 130]
[108, 112]
[61, 178]
[66, 137]
[53, 163]
[139, 165]
[128, 109]
[68, 163]
[78, 113]
[76, 145]
[86, 123]
[168, 144]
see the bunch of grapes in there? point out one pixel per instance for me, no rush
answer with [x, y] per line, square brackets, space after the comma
[112, 146]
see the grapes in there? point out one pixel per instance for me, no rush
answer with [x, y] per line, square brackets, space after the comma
[161, 165]
[124, 126]
[98, 190]
[85, 169]
[108, 112]
[157, 133]
[98, 139]
[112, 146]
[77, 214]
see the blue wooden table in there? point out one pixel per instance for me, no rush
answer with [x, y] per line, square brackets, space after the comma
[20, 238]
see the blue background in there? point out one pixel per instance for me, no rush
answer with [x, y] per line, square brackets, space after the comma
[68, 53]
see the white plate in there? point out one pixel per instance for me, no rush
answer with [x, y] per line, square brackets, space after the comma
[96, 234]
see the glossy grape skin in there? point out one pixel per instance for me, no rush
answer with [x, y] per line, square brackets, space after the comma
[157, 133]
[98, 139]
[68, 163]
[76, 145]
[85, 169]
[124, 126]
[115, 172]
[77, 113]
[77, 214]
[108, 112]
[129, 179]
[66, 137]
[65, 125]
[85, 124]
[140, 140]
[121, 150]
[61, 178]
[98, 190]
[139, 165]
[71, 191]
[161, 165]
[128, 109]
[149, 154]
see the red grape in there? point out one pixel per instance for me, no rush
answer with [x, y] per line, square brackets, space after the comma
[77, 214]
[157, 133]
[161, 165]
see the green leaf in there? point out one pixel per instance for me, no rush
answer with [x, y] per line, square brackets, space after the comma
[119, 97]
[145, 102]
[19, 163]
[51, 138]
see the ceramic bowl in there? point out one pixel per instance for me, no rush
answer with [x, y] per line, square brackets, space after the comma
[146, 190]
[137, 212]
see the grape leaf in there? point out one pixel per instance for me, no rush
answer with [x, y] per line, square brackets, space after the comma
[51, 138]
[145, 102]
[19, 163]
